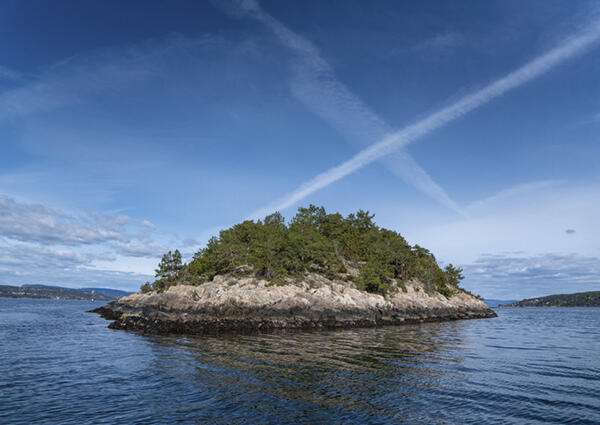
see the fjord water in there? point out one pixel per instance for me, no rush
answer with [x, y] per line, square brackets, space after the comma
[59, 364]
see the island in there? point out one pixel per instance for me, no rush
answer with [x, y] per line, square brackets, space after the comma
[497, 303]
[580, 299]
[319, 270]
[60, 293]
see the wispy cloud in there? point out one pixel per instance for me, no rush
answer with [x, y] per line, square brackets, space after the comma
[122, 220]
[28, 256]
[30, 263]
[514, 276]
[39, 244]
[147, 224]
[513, 191]
[75, 79]
[37, 223]
[66, 269]
[190, 242]
[576, 44]
[9, 74]
[141, 249]
[315, 84]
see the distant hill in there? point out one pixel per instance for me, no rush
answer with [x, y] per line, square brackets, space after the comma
[496, 303]
[116, 292]
[580, 299]
[57, 292]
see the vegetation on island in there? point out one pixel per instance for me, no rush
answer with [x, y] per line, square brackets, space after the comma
[352, 249]
[579, 299]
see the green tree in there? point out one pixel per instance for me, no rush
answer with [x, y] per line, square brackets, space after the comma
[453, 274]
[169, 265]
[168, 269]
[374, 278]
[314, 241]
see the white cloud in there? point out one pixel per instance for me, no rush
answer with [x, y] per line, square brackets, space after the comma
[141, 249]
[517, 277]
[37, 223]
[26, 263]
[31, 256]
[190, 242]
[147, 224]
[122, 219]
[44, 245]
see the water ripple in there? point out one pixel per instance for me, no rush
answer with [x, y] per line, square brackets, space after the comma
[62, 365]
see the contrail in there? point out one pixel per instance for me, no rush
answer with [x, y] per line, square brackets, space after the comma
[571, 47]
[315, 84]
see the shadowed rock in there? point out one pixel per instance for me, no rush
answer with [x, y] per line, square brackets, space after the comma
[248, 304]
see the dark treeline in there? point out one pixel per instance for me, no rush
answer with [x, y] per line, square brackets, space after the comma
[313, 241]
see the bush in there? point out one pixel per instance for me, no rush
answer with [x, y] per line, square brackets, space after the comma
[371, 279]
[146, 287]
[313, 241]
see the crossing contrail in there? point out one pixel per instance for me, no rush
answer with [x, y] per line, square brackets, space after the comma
[315, 84]
[572, 46]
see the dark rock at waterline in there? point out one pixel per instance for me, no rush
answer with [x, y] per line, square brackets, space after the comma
[248, 304]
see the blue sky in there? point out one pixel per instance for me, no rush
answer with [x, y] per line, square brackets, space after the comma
[130, 128]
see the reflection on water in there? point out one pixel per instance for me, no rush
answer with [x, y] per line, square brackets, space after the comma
[526, 366]
[364, 372]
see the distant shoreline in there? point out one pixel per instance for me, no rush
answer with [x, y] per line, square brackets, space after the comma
[59, 293]
[579, 299]
[49, 299]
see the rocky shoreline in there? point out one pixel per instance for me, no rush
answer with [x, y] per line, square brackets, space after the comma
[248, 304]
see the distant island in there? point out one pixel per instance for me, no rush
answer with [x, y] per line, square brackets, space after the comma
[60, 293]
[495, 303]
[319, 270]
[580, 299]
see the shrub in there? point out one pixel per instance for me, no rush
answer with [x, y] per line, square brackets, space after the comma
[313, 241]
[146, 287]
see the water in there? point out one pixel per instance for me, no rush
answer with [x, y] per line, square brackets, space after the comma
[59, 364]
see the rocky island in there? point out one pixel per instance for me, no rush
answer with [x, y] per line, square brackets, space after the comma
[319, 271]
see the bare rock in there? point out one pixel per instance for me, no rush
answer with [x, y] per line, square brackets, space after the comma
[247, 304]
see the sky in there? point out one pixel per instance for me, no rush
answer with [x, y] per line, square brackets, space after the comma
[131, 128]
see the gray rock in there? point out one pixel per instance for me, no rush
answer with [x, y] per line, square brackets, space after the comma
[247, 304]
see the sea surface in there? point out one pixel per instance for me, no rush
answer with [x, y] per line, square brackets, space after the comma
[61, 365]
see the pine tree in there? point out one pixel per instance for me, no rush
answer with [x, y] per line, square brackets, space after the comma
[168, 269]
[169, 265]
[453, 274]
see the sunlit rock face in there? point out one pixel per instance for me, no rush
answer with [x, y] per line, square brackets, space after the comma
[248, 304]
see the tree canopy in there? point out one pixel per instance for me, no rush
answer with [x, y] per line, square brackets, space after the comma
[313, 241]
